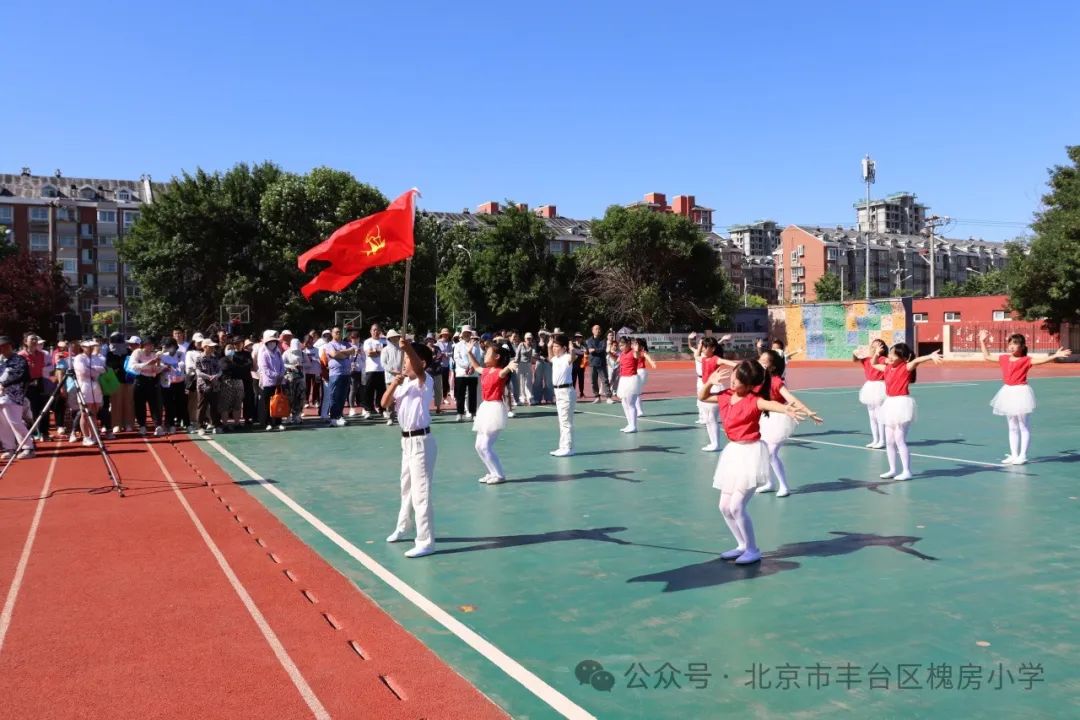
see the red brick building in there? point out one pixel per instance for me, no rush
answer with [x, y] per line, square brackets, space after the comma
[961, 319]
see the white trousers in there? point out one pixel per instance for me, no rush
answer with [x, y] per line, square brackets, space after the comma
[565, 402]
[12, 426]
[525, 383]
[417, 471]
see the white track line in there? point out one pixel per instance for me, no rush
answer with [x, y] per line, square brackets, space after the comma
[796, 438]
[562, 704]
[268, 633]
[24, 559]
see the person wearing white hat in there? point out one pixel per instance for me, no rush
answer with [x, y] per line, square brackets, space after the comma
[271, 377]
[525, 355]
[89, 366]
[466, 381]
[391, 359]
[147, 366]
[208, 373]
[374, 375]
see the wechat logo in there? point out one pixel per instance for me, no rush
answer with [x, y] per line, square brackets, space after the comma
[590, 672]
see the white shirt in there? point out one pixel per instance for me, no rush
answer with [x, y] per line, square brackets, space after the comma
[413, 403]
[373, 364]
[462, 367]
[561, 372]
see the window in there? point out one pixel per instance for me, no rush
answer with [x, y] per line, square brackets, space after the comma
[918, 317]
[39, 214]
[107, 266]
[87, 304]
[833, 253]
[88, 280]
[67, 241]
[48, 191]
[952, 317]
[5, 214]
[999, 316]
[108, 291]
[39, 241]
[123, 195]
[87, 256]
[86, 230]
[65, 214]
[106, 216]
[88, 193]
[106, 240]
[130, 218]
[68, 265]
[131, 291]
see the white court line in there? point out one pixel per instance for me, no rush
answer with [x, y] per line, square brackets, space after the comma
[562, 704]
[268, 633]
[796, 438]
[835, 391]
[24, 559]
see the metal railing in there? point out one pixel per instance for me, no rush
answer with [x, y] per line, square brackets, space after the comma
[965, 336]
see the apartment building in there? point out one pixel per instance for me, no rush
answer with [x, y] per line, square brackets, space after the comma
[897, 262]
[76, 222]
[898, 213]
[685, 205]
[759, 238]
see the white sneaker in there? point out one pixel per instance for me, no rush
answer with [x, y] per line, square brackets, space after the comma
[748, 557]
[596, 400]
[269, 428]
[365, 415]
[73, 438]
[879, 446]
[61, 431]
[765, 489]
[628, 429]
[460, 418]
[495, 480]
[1020, 460]
[6, 455]
[216, 431]
[710, 448]
[201, 433]
[732, 554]
[389, 421]
[352, 413]
[420, 551]
[1009, 460]
[87, 442]
[116, 429]
[396, 536]
[906, 475]
[281, 428]
[871, 444]
[610, 401]
[340, 422]
[510, 414]
[783, 493]
[483, 479]
[888, 475]
[26, 454]
[386, 414]
[468, 416]
[699, 421]
[561, 453]
[159, 431]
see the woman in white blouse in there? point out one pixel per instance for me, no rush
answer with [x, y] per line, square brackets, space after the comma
[89, 366]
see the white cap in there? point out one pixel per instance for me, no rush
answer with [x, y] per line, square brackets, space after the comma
[556, 331]
[286, 332]
[392, 334]
[134, 340]
[88, 343]
[197, 337]
[528, 336]
[327, 332]
[209, 342]
[466, 329]
[269, 335]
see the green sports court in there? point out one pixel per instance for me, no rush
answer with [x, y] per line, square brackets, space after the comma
[591, 585]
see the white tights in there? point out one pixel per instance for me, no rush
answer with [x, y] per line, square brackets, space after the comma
[630, 409]
[778, 467]
[485, 448]
[1019, 434]
[896, 444]
[733, 508]
[710, 414]
[877, 428]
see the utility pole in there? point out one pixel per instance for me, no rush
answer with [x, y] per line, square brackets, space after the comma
[744, 297]
[899, 273]
[932, 223]
[869, 172]
[842, 269]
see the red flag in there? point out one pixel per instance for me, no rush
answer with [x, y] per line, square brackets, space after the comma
[380, 239]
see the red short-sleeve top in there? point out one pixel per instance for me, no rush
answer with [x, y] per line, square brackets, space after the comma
[871, 372]
[741, 418]
[627, 364]
[492, 386]
[1014, 372]
[897, 379]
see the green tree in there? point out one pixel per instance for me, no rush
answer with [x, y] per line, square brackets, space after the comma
[105, 321]
[32, 293]
[827, 288]
[653, 270]
[1044, 281]
[200, 244]
[755, 301]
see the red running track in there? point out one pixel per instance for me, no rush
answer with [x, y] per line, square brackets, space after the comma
[125, 612]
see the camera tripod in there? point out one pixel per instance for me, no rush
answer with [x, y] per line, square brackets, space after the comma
[110, 467]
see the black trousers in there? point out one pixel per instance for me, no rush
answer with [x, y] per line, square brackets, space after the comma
[579, 379]
[465, 390]
[250, 400]
[147, 393]
[208, 408]
[374, 387]
[264, 407]
[599, 380]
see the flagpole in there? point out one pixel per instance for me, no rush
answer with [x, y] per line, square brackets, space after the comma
[405, 302]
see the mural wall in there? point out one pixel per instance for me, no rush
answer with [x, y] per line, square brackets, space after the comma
[831, 331]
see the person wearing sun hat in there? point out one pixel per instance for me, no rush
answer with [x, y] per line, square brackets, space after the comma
[271, 376]
[466, 381]
[89, 366]
[191, 384]
[446, 347]
[14, 377]
[391, 359]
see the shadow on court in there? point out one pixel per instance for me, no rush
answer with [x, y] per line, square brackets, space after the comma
[721, 572]
[584, 475]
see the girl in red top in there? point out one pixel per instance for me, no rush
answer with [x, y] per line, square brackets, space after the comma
[644, 364]
[1016, 400]
[776, 428]
[744, 463]
[898, 410]
[872, 394]
[629, 387]
[490, 417]
[708, 351]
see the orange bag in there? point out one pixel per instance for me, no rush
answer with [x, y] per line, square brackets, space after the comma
[279, 405]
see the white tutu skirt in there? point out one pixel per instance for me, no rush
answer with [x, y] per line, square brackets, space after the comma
[629, 386]
[897, 410]
[872, 393]
[776, 427]
[743, 467]
[490, 417]
[1014, 400]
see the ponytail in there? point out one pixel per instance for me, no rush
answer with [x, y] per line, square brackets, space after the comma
[904, 352]
[753, 375]
[1021, 341]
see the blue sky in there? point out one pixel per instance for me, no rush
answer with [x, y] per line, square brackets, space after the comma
[758, 109]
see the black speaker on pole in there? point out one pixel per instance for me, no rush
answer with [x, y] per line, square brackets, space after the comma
[70, 327]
